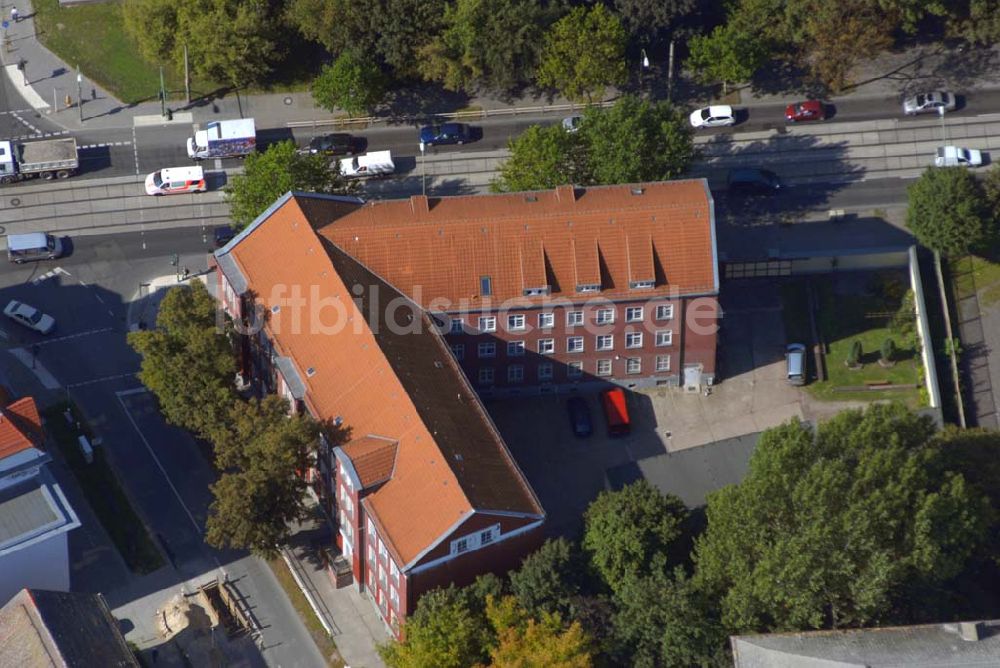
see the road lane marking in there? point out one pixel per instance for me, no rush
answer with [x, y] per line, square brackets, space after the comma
[60, 339]
[50, 274]
[100, 380]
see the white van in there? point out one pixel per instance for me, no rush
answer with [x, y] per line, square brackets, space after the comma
[33, 246]
[953, 156]
[176, 180]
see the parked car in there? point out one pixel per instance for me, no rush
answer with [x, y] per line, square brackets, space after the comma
[223, 235]
[753, 181]
[929, 102]
[572, 123]
[337, 143]
[29, 317]
[810, 110]
[176, 181]
[795, 363]
[713, 117]
[579, 417]
[446, 133]
[953, 156]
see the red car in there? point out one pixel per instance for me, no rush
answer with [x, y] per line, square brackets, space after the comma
[810, 110]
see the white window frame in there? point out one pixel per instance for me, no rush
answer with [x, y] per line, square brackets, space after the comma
[604, 316]
[461, 545]
[604, 367]
[574, 318]
[548, 371]
[605, 342]
[570, 341]
[486, 537]
[574, 369]
[486, 375]
[662, 363]
[515, 373]
[457, 326]
[664, 337]
[383, 551]
[372, 534]
[546, 320]
[633, 340]
[633, 314]
[488, 323]
[371, 553]
[394, 572]
[458, 350]
[515, 349]
[486, 350]
[546, 346]
[517, 323]
[633, 365]
[665, 312]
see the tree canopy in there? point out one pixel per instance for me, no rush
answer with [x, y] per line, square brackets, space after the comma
[948, 211]
[525, 642]
[269, 175]
[352, 83]
[830, 524]
[728, 54]
[584, 53]
[188, 360]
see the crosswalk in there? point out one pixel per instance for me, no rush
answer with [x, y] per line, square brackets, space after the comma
[50, 274]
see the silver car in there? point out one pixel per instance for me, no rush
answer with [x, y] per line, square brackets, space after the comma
[929, 103]
[30, 317]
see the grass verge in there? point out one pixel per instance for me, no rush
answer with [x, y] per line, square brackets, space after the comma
[103, 492]
[325, 643]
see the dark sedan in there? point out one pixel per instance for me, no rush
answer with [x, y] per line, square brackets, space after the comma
[810, 110]
[338, 143]
[446, 133]
[579, 417]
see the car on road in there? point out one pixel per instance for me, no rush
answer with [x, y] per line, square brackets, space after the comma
[176, 181]
[929, 102]
[446, 133]
[336, 143]
[571, 123]
[713, 117]
[809, 110]
[579, 417]
[29, 317]
[223, 235]
[795, 363]
[954, 156]
[753, 181]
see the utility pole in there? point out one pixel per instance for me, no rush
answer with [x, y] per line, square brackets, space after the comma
[187, 76]
[423, 168]
[163, 95]
[643, 66]
[79, 92]
[670, 72]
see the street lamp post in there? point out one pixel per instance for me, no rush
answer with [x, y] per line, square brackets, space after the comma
[643, 67]
[79, 92]
[423, 169]
[944, 133]
[163, 95]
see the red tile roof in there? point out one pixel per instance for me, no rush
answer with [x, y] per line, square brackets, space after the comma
[440, 248]
[373, 457]
[20, 427]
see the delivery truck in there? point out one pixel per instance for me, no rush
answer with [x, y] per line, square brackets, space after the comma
[374, 164]
[223, 139]
[48, 159]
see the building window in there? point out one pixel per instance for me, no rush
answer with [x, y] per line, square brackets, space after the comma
[457, 325]
[663, 362]
[488, 349]
[574, 344]
[371, 553]
[515, 348]
[589, 287]
[371, 529]
[603, 367]
[488, 323]
[574, 369]
[544, 372]
[461, 545]
[515, 323]
[546, 346]
[486, 537]
[458, 350]
[605, 342]
[604, 316]
[642, 285]
[633, 339]
[394, 597]
[574, 318]
[665, 312]
[515, 373]
[486, 375]
[633, 365]
[382, 550]
[394, 572]
[546, 320]
[665, 337]
[633, 314]
[485, 286]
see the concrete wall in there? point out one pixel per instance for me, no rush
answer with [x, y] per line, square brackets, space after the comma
[924, 330]
[44, 565]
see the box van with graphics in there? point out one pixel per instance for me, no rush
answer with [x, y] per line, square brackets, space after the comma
[33, 246]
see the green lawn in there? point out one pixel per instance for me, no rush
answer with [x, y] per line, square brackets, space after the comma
[103, 492]
[93, 37]
[978, 274]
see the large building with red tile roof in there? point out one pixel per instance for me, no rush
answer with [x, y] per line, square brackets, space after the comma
[388, 320]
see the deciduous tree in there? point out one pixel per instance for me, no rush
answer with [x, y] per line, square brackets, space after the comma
[524, 642]
[628, 533]
[830, 524]
[648, 19]
[584, 53]
[542, 157]
[188, 360]
[281, 168]
[550, 579]
[728, 55]
[352, 82]
[947, 211]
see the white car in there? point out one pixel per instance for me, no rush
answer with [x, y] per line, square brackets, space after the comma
[713, 117]
[30, 317]
[571, 123]
[953, 156]
[935, 101]
[176, 181]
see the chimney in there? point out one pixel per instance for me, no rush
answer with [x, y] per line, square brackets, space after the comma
[419, 204]
[566, 194]
[970, 631]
